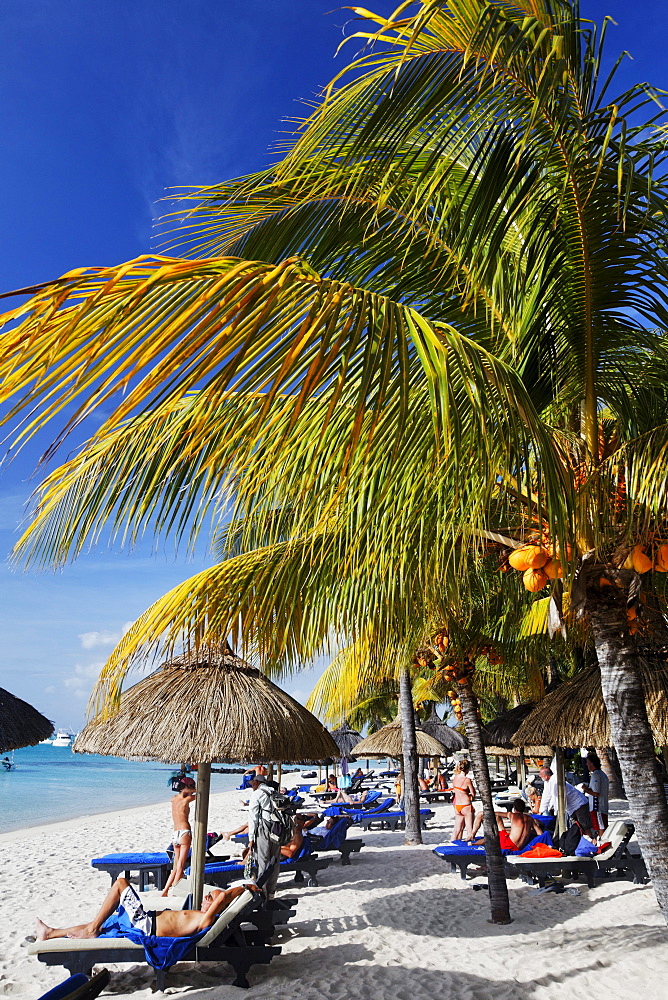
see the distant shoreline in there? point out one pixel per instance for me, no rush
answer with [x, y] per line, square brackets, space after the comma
[64, 825]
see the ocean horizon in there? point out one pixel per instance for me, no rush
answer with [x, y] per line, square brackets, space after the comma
[50, 784]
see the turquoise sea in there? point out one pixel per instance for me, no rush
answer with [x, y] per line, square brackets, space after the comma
[50, 784]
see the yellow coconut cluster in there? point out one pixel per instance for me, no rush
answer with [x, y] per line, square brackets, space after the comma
[538, 563]
[641, 562]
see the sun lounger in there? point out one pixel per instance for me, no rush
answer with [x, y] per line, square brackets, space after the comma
[226, 941]
[356, 811]
[158, 865]
[393, 819]
[617, 858]
[436, 795]
[79, 987]
[221, 873]
[460, 853]
[335, 839]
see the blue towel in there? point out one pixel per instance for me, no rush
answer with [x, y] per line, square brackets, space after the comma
[160, 952]
[332, 839]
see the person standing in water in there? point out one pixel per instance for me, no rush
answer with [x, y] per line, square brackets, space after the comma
[182, 834]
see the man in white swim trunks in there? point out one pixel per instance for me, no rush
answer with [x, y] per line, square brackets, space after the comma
[182, 835]
[162, 923]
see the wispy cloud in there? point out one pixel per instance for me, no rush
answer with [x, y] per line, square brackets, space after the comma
[90, 640]
[80, 683]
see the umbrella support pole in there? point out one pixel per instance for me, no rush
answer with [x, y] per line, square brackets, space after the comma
[279, 773]
[561, 790]
[199, 834]
[521, 770]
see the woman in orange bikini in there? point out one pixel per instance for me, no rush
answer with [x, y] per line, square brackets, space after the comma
[464, 790]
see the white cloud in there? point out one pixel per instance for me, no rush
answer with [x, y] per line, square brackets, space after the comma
[80, 683]
[89, 640]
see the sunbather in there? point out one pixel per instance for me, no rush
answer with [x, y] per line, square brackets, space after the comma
[243, 830]
[161, 923]
[343, 796]
[292, 849]
[523, 827]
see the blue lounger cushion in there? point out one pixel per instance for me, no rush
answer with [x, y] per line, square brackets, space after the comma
[462, 847]
[232, 866]
[392, 813]
[64, 989]
[357, 812]
[129, 859]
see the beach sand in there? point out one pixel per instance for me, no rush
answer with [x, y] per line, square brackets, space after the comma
[395, 925]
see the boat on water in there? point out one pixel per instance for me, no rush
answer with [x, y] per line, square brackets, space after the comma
[63, 738]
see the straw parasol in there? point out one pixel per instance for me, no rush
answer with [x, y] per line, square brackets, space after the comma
[21, 725]
[446, 735]
[574, 714]
[387, 742]
[501, 730]
[499, 734]
[203, 707]
[345, 738]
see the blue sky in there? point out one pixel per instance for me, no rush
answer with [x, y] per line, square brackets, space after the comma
[104, 106]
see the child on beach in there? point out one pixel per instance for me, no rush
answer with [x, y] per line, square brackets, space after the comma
[182, 835]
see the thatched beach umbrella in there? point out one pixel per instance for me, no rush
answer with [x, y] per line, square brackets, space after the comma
[345, 738]
[501, 730]
[386, 742]
[452, 740]
[21, 725]
[574, 714]
[205, 707]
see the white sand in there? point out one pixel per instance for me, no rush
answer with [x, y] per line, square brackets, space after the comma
[395, 925]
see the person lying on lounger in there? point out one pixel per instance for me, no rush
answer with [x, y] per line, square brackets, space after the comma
[343, 796]
[161, 923]
[523, 827]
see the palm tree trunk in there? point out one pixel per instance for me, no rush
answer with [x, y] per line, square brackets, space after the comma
[412, 832]
[498, 890]
[615, 790]
[632, 738]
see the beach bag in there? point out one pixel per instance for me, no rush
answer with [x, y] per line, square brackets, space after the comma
[586, 847]
[570, 840]
[282, 819]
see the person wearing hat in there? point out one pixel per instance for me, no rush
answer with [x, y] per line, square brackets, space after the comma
[182, 834]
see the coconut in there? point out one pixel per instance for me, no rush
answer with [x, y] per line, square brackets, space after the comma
[552, 569]
[661, 560]
[534, 580]
[528, 557]
[640, 560]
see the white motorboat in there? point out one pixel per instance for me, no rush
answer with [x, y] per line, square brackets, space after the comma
[63, 739]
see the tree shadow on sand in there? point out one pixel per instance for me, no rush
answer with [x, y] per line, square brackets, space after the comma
[329, 973]
[444, 912]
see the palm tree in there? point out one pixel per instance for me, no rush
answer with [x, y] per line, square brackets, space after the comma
[418, 324]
